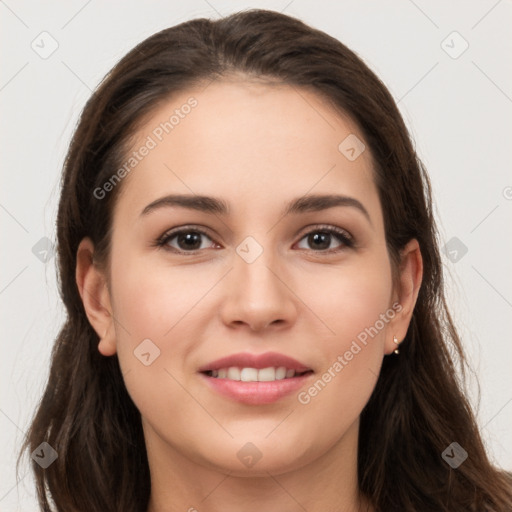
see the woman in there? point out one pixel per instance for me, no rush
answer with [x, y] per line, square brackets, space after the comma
[256, 315]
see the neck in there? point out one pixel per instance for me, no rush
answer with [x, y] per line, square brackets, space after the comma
[329, 482]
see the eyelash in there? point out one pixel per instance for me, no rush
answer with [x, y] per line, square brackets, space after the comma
[343, 236]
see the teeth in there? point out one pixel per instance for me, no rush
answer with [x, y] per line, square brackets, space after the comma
[233, 373]
[249, 375]
[281, 373]
[266, 374]
[253, 374]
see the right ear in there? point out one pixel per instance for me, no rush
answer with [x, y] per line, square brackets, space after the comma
[92, 285]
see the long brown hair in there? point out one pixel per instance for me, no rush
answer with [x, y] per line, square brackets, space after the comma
[418, 407]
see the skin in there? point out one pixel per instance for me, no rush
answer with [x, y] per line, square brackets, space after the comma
[257, 147]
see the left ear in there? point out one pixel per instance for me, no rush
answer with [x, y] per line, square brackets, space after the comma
[409, 282]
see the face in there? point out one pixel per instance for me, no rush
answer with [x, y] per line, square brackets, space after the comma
[261, 269]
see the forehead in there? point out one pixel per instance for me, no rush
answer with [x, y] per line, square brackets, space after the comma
[246, 139]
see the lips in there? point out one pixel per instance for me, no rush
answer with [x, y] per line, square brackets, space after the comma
[257, 361]
[256, 379]
[257, 393]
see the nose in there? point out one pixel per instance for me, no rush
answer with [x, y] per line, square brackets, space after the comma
[257, 295]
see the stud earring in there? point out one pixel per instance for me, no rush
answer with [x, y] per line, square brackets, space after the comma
[395, 340]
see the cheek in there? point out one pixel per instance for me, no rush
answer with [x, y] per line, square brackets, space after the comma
[151, 300]
[349, 299]
[353, 304]
[148, 308]
[153, 307]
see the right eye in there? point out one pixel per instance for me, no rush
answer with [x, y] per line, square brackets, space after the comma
[185, 240]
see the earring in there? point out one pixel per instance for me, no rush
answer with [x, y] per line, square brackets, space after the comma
[395, 340]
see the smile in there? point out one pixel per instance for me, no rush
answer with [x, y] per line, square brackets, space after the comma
[269, 374]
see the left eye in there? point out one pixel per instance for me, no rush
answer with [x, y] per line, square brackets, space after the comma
[321, 240]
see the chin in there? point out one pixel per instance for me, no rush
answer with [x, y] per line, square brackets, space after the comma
[258, 459]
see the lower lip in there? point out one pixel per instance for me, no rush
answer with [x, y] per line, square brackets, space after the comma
[256, 393]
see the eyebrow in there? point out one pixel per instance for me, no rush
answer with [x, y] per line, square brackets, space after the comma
[304, 204]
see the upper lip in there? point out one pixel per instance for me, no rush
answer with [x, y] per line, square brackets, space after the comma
[258, 361]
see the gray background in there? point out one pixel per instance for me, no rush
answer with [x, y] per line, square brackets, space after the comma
[457, 105]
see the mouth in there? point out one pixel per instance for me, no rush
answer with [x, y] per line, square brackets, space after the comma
[255, 379]
[248, 374]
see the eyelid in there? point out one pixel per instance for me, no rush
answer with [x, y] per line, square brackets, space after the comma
[186, 227]
[313, 228]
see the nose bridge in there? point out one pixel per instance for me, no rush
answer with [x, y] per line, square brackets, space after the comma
[257, 293]
[252, 270]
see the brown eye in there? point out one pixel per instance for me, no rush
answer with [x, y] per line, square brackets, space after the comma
[322, 240]
[186, 240]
